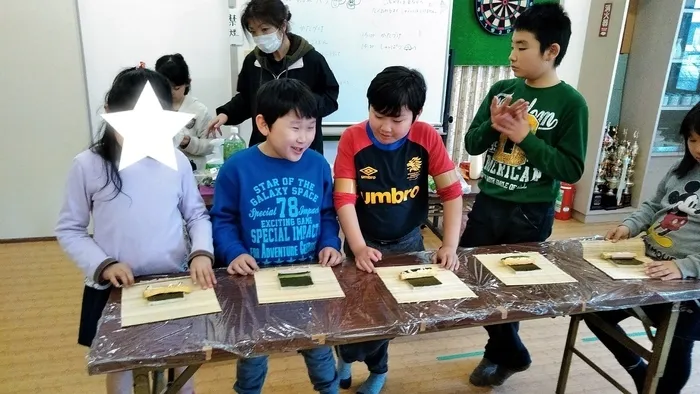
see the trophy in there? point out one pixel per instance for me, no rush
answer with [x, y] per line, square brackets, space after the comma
[632, 156]
[600, 181]
[617, 172]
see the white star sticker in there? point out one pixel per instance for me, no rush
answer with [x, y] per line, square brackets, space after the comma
[147, 130]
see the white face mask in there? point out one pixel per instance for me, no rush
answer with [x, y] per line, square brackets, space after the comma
[268, 43]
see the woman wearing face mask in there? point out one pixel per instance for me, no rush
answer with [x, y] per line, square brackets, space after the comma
[278, 54]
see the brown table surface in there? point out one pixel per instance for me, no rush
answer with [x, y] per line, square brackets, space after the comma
[368, 311]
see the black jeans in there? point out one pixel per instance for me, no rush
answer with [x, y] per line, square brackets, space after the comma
[678, 365]
[376, 353]
[494, 222]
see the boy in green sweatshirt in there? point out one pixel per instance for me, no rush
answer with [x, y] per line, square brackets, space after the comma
[534, 131]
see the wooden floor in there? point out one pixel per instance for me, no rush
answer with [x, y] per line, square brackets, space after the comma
[40, 306]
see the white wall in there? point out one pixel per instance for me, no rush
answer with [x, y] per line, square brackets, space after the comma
[570, 67]
[109, 44]
[598, 65]
[44, 112]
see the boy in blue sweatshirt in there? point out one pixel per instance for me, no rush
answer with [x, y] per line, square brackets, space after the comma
[273, 204]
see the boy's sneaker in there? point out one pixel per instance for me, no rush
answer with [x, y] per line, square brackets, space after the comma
[502, 374]
[373, 384]
[344, 374]
[490, 374]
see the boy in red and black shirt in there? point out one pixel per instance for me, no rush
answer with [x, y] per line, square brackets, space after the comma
[381, 194]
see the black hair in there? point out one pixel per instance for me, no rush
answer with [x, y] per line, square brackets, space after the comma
[549, 23]
[397, 87]
[272, 12]
[175, 69]
[689, 125]
[122, 96]
[278, 97]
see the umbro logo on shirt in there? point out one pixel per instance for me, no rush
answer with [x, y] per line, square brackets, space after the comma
[368, 173]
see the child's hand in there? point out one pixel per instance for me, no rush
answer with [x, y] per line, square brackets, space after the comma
[243, 265]
[202, 272]
[119, 274]
[214, 126]
[513, 125]
[618, 233]
[446, 256]
[366, 257]
[506, 107]
[329, 257]
[185, 141]
[664, 270]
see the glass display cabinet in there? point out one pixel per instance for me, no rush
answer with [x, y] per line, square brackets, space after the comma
[682, 83]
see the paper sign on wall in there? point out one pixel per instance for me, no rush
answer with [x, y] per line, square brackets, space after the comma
[605, 21]
[235, 32]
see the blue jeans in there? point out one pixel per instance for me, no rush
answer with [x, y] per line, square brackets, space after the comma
[376, 353]
[678, 365]
[320, 363]
[495, 222]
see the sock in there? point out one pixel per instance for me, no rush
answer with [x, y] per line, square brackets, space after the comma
[638, 374]
[373, 384]
[344, 374]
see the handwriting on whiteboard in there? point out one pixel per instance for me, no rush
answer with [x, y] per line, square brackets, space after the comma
[385, 6]
[350, 4]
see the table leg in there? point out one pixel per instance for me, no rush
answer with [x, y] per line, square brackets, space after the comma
[180, 381]
[568, 354]
[141, 381]
[158, 380]
[660, 348]
[571, 349]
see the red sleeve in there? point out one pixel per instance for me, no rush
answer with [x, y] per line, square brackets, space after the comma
[350, 143]
[439, 161]
[344, 166]
[451, 192]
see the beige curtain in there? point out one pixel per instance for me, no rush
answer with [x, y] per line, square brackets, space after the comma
[470, 84]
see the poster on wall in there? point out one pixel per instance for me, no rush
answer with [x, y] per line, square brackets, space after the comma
[235, 32]
[605, 20]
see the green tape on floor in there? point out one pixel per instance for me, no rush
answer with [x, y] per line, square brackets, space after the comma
[631, 335]
[460, 355]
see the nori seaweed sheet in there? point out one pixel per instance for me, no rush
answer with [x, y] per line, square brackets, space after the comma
[166, 296]
[626, 261]
[423, 282]
[295, 280]
[524, 267]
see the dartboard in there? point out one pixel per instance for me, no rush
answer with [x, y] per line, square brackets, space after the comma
[497, 16]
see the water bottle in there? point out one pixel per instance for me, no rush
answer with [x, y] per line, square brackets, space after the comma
[233, 144]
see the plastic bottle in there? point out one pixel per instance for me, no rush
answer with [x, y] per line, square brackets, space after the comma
[233, 144]
[216, 159]
[476, 165]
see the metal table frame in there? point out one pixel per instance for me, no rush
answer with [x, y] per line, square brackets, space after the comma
[661, 343]
[155, 381]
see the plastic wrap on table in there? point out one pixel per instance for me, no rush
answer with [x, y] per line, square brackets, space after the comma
[368, 311]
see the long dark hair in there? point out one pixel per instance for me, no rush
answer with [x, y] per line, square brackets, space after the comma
[122, 96]
[690, 125]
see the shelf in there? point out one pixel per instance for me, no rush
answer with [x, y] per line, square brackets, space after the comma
[668, 108]
[668, 154]
[612, 211]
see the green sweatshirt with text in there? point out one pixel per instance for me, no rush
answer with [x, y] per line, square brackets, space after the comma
[553, 152]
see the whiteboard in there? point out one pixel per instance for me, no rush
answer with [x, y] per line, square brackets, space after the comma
[116, 34]
[359, 38]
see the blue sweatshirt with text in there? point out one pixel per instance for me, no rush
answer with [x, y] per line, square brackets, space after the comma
[276, 210]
